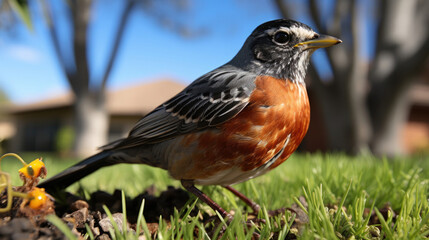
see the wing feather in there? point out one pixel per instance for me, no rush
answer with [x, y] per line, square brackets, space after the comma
[209, 101]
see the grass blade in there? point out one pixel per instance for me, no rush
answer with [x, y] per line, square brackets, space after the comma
[89, 232]
[124, 213]
[384, 224]
[115, 232]
[141, 222]
[340, 207]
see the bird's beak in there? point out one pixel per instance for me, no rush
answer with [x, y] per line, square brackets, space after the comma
[321, 42]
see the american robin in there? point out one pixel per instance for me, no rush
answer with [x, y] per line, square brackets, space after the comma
[232, 124]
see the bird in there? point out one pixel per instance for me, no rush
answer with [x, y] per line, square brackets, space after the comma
[232, 124]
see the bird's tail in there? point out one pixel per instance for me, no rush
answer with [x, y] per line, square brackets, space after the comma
[77, 172]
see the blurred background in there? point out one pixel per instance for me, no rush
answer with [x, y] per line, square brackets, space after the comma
[76, 74]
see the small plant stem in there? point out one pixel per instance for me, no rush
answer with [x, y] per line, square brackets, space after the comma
[13, 155]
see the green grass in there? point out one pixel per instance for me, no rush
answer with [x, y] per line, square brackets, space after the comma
[324, 180]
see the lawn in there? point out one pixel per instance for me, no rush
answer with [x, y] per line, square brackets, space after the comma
[376, 198]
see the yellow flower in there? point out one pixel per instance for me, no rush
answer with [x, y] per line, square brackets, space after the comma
[34, 170]
[38, 198]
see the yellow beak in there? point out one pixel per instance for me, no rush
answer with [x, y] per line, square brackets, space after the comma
[321, 42]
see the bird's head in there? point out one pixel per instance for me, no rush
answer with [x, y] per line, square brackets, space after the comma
[281, 49]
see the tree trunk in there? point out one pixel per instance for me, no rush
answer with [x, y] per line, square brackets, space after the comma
[388, 126]
[402, 50]
[91, 123]
[335, 118]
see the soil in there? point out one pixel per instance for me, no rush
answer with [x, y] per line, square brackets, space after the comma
[76, 212]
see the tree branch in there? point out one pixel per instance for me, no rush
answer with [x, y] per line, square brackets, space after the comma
[411, 66]
[356, 44]
[413, 63]
[67, 67]
[281, 6]
[335, 25]
[382, 25]
[381, 44]
[336, 56]
[407, 53]
[81, 14]
[118, 38]
[314, 11]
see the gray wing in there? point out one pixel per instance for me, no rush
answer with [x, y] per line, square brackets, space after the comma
[209, 101]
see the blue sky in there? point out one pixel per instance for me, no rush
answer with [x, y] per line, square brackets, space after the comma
[29, 70]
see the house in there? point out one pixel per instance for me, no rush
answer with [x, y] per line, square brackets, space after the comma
[37, 125]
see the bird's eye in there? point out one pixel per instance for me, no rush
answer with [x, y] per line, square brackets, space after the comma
[281, 37]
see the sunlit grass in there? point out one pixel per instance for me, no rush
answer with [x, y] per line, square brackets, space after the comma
[325, 180]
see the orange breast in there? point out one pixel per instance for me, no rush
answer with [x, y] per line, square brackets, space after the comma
[278, 109]
[274, 122]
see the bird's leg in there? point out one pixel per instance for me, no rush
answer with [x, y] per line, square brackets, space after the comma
[255, 207]
[189, 185]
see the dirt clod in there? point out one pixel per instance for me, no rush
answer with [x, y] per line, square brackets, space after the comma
[79, 204]
[79, 217]
[78, 213]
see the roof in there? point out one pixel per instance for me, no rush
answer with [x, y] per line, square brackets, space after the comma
[130, 100]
